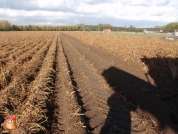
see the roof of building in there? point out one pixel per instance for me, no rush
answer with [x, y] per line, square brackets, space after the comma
[150, 29]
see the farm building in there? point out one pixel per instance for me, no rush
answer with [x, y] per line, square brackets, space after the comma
[161, 31]
[172, 36]
[149, 31]
[106, 31]
[176, 33]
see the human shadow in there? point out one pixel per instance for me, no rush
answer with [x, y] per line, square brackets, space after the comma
[137, 93]
[164, 71]
[118, 120]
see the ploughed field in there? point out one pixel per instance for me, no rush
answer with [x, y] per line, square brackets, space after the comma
[83, 83]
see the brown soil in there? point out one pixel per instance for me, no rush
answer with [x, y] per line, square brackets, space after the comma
[66, 118]
[64, 86]
[113, 97]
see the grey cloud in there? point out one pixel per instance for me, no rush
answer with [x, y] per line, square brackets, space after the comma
[157, 14]
[149, 3]
[23, 20]
[164, 3]
[17, 4]
[145, 3]
[141, 4]
[124, 22]
[174, 3]
[88, 20]
[94, 2]
[26, 5]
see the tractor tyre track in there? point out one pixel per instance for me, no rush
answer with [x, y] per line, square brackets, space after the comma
[95, 93]
[66, 117]
[105, 110]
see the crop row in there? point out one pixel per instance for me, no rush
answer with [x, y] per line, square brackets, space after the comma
[11, 55]
[32, 113]
[10, 46]
[8, 71]
[16, 92]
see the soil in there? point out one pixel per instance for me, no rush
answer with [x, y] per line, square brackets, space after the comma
[97, 92]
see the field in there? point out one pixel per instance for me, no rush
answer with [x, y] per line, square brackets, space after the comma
[132, 33]
[83, 83]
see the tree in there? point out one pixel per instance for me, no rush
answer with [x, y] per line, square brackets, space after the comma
[171, 27]
[5, 25]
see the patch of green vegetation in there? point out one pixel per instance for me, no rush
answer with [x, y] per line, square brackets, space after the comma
[131, 33]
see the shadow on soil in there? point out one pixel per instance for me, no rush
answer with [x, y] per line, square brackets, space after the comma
[159, 100]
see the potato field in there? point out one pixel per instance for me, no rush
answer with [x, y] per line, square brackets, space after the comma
[86, 83]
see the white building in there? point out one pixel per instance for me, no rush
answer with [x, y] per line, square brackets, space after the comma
[149, 31]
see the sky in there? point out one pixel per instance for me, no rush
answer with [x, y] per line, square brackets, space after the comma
[138, 13]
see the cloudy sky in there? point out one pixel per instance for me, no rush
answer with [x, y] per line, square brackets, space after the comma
[139, 13]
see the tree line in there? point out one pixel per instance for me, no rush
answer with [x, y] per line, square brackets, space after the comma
[171, 27]
[7, 26]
